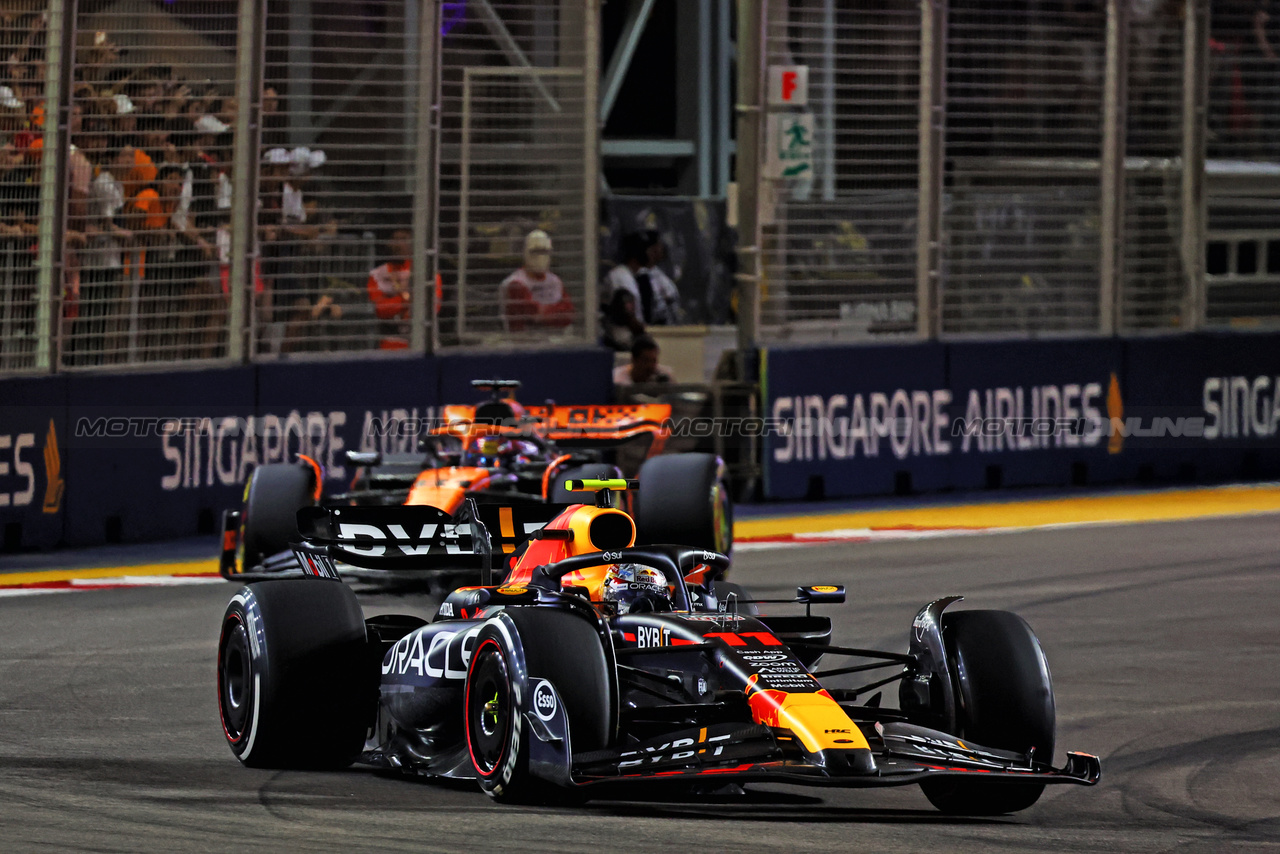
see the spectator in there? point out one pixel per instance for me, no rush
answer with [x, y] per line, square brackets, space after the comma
[620, 325]
[288, 222]
[389, 291]
[204, 218]
[655, 295]
[108, 241]
[643, 367]
[156, 214]
[667, 309]
[533, 297]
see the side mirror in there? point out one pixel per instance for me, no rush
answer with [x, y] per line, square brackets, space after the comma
[815, 594]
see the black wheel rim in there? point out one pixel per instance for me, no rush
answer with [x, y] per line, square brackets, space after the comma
[235, 680]
[489, 709]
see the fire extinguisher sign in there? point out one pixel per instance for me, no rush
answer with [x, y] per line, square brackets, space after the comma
[788, 85]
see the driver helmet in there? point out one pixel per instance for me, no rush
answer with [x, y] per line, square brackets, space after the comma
[634, 589]
[493, 451]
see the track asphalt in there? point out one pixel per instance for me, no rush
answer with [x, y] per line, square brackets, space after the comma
[1162, 638]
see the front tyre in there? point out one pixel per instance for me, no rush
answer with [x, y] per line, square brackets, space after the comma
[1004, 699]
[512, 652]
[295, 685]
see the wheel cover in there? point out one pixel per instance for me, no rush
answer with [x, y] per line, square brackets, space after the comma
[235, 680]
[489, 709]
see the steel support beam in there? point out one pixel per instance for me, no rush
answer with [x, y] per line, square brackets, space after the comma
[826, 138]
[1115, 97]
[301, 73]
[752, 15]
[932, 155]
[423, 309]
[620, 62]
[724, 91]
[1195, 95]
[591, 123]
[250, 49]
[51, 253]
[515, 56]
[706, 57]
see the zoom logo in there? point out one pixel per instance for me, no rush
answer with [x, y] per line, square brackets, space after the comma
[545, 703]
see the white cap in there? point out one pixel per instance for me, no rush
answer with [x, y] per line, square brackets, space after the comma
[211, 124]
[302, 158]
[537, 239]
[124, 105]
[537, 252]
[275, 157]
[8, 100]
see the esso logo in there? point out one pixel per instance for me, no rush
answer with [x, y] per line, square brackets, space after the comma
[544, 701]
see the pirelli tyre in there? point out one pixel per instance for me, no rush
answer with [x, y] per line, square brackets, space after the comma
[557, 494]
[1004, 699]
[296, 683]
[272, 498]
[683, 500]
[511, 652]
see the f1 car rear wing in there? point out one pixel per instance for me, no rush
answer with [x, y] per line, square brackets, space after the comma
[571, 425]
[408, 538]
[395, 537]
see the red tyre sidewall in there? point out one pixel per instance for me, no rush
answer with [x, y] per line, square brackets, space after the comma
[499, 776]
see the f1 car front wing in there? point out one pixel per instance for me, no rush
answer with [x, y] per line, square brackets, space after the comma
[904, 754]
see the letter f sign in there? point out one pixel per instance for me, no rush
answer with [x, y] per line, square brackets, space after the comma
[788, 84]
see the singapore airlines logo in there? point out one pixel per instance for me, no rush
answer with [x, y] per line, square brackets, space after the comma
[54, 485]
[1115, 411]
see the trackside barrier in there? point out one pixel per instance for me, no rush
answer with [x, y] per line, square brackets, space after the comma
[969, 415]
[147, 456]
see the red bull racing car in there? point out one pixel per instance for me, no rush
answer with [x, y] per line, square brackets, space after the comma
[583, 661]
[500, 451]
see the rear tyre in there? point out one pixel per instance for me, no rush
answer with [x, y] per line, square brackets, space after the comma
[557, 494]
[295, 687]
[1004, 699]
[496, 697]
[683, 500]
[272, 498]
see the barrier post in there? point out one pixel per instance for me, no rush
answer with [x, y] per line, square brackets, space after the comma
[250, 46]
[1195, 98]
[1115, 97]
[933, 99]
[423, 307]
[590, 165]
[751, 36]
[51, 260]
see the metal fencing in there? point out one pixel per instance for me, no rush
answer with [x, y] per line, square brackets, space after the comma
[26, 301]
[149, 116]
[1021, 209]
[518, 156]
[1018, 169]
[840, 238]
[220, 180]
[277, 179]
